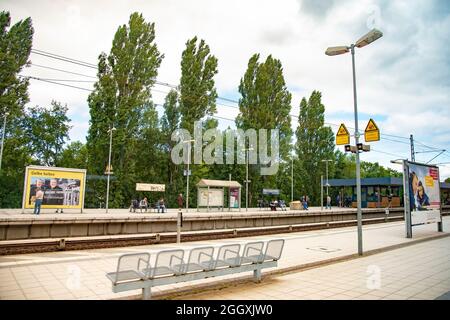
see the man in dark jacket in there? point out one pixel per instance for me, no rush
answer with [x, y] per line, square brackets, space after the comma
[180, 201]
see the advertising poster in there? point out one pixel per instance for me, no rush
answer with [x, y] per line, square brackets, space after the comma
[424, 193]
[215, 197]
[63, 188]
[234, 197]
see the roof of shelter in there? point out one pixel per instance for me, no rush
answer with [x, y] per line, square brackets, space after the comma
[218, 183]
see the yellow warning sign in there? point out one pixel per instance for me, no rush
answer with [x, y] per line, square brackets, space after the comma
[372, 133]
[342, 135]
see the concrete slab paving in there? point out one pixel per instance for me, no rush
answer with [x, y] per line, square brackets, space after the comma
[421, 270]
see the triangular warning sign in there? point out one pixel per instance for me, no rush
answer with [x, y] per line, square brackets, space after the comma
[371, 126]
[342, 130]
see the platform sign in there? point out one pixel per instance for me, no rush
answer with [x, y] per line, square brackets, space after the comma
[372, 133]
[423, 203]
[271, 192]
[63, 187]
[150, 187]
[342, 135]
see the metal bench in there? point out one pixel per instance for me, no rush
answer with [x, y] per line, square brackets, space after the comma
[134, 271]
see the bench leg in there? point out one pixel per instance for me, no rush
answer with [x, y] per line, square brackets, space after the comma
[257, 275]
[146, 293]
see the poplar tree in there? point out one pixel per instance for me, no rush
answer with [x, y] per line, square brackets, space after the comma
[15, 47]
[121, 99]
[315, 142]
[265, 104]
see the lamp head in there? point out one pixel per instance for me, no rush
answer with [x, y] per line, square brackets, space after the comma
[334, 51]
[368, 38]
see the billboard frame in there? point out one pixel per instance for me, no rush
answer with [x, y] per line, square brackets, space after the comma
[407, 200]
[32, 167]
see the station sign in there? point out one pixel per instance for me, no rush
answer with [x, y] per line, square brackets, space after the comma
[372, 133]
[342, 135]
[150, 187]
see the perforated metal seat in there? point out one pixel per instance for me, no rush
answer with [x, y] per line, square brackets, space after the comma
[129, 267]
[273, 251]
[228, 256]
[199, 259]
[168, 262]
[253, 252]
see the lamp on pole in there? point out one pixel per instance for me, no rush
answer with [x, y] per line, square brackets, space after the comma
[3, 137]
[246, 178]
[108, 169]
[188, 173]
[370, 37]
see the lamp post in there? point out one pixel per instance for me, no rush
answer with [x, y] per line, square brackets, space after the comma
[370, 37]
[292, 178]
[326, 174]
[187, 173]
[246, 179]
[108, 169]
[3, 137]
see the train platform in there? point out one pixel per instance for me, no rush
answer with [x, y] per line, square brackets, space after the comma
[81, 274]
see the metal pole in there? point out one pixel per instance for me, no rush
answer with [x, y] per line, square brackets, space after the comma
[413, 154]
[179, 224]
[108, 172]
[321, 192]
[327, 176]
[246, 185]
[187, 178]
[3, 138]
[292, 179]
[358, 169]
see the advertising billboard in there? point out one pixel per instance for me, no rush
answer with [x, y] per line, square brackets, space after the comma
[62, 187]
[234, 197]
[423, 193]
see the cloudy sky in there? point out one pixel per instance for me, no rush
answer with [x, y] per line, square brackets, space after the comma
[403, 79]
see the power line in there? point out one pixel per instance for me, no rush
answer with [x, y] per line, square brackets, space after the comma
[65, 60]
[61, 84]
[61, 70]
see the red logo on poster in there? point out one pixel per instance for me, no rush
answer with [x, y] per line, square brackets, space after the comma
[434, 173]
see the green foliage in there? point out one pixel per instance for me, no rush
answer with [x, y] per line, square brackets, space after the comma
[122, 99]
[73, 156]
[15, 46]
[47, 131]
[315, 142]
[265, 104]
[197, 87]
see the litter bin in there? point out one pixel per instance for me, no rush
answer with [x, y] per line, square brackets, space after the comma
[295, 205]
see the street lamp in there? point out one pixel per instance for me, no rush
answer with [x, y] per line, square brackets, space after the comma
[187, 173]
[108, 169]
[326, 176]
[3, 137]
[292, 178]
[333, 51]
[246, 180]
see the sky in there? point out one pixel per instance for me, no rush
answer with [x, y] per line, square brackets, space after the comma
[403, 79]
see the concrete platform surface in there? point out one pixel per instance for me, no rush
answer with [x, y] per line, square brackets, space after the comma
[81, 274]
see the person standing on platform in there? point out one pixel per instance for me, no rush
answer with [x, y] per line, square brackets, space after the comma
[38, 201]
[328, 202]
[180, 201]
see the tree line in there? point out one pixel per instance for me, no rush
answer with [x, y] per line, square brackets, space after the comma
[142, 141]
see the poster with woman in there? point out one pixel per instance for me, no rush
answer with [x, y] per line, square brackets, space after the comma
[424, 193]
